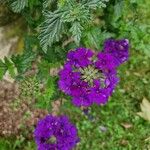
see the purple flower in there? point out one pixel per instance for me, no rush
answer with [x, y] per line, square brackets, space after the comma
[98, 94]
[80, 57]
[55, 133]
[69, 77]
[78, 88]
[82, 100]
[106, 61]
[118, 48]
[88, 80]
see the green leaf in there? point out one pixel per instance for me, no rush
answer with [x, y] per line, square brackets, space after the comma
[51, 28]
[33, 3]
[47, 3]
[30, 42]
[76, 12]
[19, 5]
[118, 10]
[93, 4]
[50, 88]
[44, 68]
[23, 62]
[94, 38]
[3, 69]
[44, 98]
[55, 54]
[76, 30]
[10, 67]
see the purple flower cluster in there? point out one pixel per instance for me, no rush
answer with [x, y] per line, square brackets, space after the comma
[55, 133]
[119, 49]
[91, 78]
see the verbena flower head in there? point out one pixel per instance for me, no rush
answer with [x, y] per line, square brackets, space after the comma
[89, 77]
[55, 133]
[118, 48]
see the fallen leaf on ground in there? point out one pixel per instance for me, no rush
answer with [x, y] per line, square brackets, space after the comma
[127, 125]
[137, 74]
[145, 109]
[147, 139]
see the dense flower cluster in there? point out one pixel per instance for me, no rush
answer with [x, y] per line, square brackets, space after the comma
[55, 133]
[89, 77]
[119, 49]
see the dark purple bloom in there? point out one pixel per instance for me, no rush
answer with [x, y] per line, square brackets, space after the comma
[78, 88]
[106, 61]
[118, 48]
[69, 77]
[88, 80]
[82, 100]
[98, 94]
[81, 57]
[55, 133]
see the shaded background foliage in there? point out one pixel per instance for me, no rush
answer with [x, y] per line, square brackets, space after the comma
[48, 29]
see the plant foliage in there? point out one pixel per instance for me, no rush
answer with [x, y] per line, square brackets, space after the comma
[19, 5]
[71, 14]
[53, 27]
[7, 65]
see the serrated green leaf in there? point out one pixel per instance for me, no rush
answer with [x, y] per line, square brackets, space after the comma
[118, 10]
[30, 42]
[43, 68]
[19, 5]
[51, 28]
[47, 3]
[94, 38]
[93, 4]
[23, 62]
[76, 12]
[44, 98]
[76, 31]
[50, 87]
